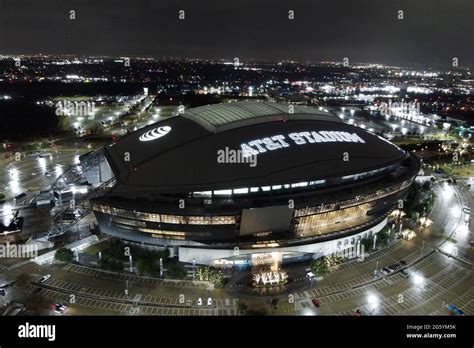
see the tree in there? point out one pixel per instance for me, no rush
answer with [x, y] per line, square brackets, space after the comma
[333, 260]
[241, 307]
[207, 274]
[218, 278]
[22, 280]
[148, 266]
[165, 254]
[368, 243]
[63, 123]
[64, 255]
[35, 303]
[110, 264]
[176, 271]
[203, 273]
[275, 302]
[383, 237]
[319, 267]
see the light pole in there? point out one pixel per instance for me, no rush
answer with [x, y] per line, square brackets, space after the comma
[130, 260]
[161, 267]
[194, 269]
[126, 288]
[376, 267]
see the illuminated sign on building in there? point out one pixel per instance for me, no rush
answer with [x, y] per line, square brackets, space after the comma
[275, 142]
[155, 133]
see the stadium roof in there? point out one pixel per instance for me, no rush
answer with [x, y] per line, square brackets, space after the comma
[221, 117]
[180, 154]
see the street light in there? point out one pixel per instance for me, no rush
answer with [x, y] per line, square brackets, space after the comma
[310, 276]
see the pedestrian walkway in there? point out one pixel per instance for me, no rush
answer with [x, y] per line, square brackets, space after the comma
[133, 278]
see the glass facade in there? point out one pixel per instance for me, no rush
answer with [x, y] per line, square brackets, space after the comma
[318, 224]
[308, 221]
[302, 184]
[165, 218]
[361, 199]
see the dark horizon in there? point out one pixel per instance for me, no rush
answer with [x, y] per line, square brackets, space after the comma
[365, 31]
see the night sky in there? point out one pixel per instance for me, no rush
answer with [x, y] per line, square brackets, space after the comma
[432, 32]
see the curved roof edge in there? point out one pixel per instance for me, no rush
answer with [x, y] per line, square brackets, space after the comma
[218, 118]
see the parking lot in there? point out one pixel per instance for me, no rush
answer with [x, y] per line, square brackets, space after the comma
[142, 306]
[418, 289]
[430, 280]
[107, 294]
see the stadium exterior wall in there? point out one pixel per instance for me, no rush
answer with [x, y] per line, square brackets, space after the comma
[208, 256]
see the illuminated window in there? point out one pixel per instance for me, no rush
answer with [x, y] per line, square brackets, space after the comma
[241, 191]
[300, 184]
[202, 194]
[223, 192]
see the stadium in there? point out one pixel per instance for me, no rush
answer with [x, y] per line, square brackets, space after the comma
[240, 183]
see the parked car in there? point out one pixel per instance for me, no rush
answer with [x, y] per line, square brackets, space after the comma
[21, 195]
[45, 278]
[386, 271]
[209, 301]
[44, 155]
[2, 292]
[357, 313]
[455, 310]
[403, 262]
[59, 308]
[199, 301]
[315, 302]
[394, 267]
